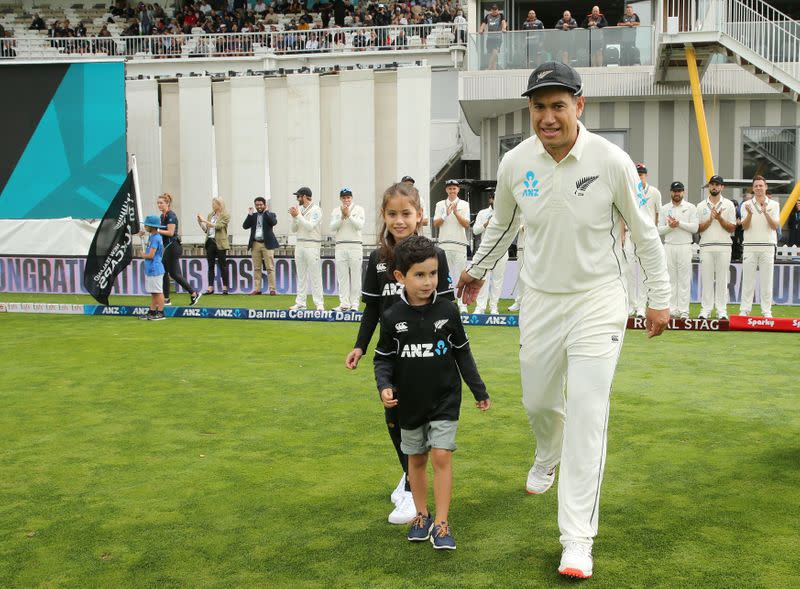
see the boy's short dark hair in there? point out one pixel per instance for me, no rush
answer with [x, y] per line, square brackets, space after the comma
[260, 199]
[414, 249]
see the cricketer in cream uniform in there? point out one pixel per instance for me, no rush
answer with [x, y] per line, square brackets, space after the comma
[677, 223]
[347, 221]
[760, 221]
[716, 217]
[452, 219]
[572, 188]
[649, 198]
[493, 283]
[307, 224]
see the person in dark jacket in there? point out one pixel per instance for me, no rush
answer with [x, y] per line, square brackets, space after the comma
[262, 243]
[793, 225]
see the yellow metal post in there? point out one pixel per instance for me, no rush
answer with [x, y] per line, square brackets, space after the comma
[699, 112]
[789, 204]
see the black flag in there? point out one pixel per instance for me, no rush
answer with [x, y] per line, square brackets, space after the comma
[112, 246]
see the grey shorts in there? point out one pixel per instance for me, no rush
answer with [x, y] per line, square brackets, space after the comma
[154, 284]
[435, 434]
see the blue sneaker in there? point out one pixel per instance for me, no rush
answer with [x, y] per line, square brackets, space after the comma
[442, 537]
[420, 528]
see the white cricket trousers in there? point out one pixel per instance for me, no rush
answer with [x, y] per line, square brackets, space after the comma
[637, 295]
[309, 273]
[715, 263]
[492, 286]
[679, 267]
[763, 259]
[349, 261]
[569, 346]
[519, 286]
[456, 262]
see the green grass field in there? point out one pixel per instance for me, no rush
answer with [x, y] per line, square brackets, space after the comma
[213, 453]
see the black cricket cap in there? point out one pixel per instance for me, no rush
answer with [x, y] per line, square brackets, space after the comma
[641, 168]
[451, 182]
[407, 179]
[345, 192]
[303, 191]
[676, 186]
[554, 73]
[715, 179]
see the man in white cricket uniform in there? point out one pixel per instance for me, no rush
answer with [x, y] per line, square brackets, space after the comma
[452, 219]
[347, 221]
[760, 221]
[677, 223]
[572, 188]
[649, 198]
[493, 283]
[716, 218]
[307, 224]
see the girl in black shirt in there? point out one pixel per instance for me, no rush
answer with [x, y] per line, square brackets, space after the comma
[173, 250]
[401, 210]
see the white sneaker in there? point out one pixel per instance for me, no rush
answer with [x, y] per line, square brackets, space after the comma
[514, 307]
[320, 307]
[766, 315]
[540, 479]
[576, 560]
[744, 313]
[340, 308]
[397, 494]
[494, 311]
[405, 510]
[463, 309]
[297, 308]
[684, 315]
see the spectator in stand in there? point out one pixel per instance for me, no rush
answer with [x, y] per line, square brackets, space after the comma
[629, 52]
[630, 18]
[215, 225]
[595, 21]
[534, 40]
[566, 23]
[37, 24]
[493, 24]
[793, 224]
[461, 27]
[339, 12]
[158, 12]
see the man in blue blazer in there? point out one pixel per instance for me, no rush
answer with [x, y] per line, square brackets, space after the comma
[262, 243]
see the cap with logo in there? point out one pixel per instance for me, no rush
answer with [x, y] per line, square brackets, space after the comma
[153, 221]
[554, 73]
[303, 191]
[676, 187]
[407, 179]
[345, 192]
[715, 179]
[451, 182]
[641, 168]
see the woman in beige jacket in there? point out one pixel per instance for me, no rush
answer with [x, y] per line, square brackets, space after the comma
[216, 230]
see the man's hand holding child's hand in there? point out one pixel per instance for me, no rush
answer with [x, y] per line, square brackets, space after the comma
[387, 396]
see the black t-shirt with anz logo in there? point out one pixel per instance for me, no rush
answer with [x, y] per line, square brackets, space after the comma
[423, 352]
[379, 292]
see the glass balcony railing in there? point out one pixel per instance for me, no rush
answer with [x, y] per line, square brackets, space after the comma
[607, 47]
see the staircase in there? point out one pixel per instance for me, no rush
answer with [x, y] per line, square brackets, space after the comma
[773, 148]
[752, 33]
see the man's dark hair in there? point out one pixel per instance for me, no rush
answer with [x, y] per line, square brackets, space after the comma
[414, 249]
[261, 199]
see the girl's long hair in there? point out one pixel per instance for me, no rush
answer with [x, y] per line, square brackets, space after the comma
[387, 241]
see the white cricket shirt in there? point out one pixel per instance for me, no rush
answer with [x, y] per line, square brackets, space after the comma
[650, 200]
[308, 226]
[348, 230]
[573, 212]
[483, 216]
[760, 233]
[716, 235]
[452, 235]
[686, 214]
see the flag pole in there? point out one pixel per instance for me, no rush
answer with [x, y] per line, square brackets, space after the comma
[135, 171]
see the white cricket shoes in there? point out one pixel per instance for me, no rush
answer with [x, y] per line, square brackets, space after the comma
[397, 494]
[576, 560]
[540, 479]
[405, 511]
[297, 308]
[514, 307]
[494, 311]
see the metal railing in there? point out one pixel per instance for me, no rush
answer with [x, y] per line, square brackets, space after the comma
[778, 146]
[200, 44]
[610, 46]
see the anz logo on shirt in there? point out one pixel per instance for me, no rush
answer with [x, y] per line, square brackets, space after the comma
[424, 350]
[391, 289]
[641, 198]
[531, 184]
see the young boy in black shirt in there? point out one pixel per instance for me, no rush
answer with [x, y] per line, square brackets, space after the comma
[422, 354]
